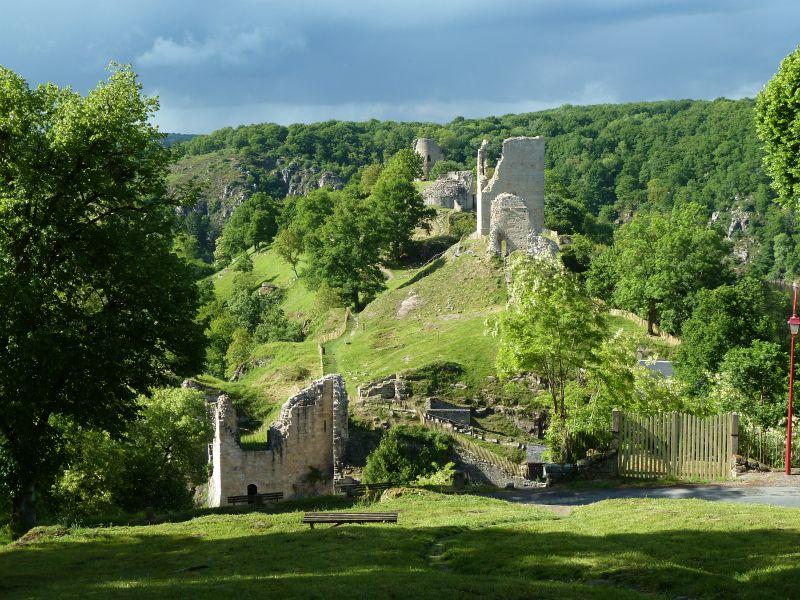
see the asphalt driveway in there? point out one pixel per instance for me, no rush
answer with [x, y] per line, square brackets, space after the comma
[788, 496]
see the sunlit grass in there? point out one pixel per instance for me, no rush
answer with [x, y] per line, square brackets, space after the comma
[442, 546]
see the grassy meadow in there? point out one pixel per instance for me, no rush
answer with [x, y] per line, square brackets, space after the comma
[442, 546]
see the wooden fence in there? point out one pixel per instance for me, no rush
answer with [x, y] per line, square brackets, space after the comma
[768, 446]
[501, 463]
[676, 445]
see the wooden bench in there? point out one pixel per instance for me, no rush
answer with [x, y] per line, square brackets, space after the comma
[255, 498]
[341, 518]
[359, 489]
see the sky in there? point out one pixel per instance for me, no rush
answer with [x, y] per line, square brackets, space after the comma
[215, 64]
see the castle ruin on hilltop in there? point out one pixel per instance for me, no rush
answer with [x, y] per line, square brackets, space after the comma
[304, 452]
[509, 203]
[430, 152]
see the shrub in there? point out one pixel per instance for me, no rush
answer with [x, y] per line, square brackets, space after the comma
[406, 453]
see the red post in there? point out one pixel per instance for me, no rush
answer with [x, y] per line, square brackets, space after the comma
[789, 424]
[794, 326]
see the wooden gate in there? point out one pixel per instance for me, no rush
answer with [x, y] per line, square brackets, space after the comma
[676, 445]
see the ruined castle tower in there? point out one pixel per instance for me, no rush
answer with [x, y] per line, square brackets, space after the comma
[305, 453]
[520, 172]
[430, 152]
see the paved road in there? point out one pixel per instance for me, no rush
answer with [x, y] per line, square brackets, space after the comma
[788, 496]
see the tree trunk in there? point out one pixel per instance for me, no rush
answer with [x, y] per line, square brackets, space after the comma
[651, 319]
[23, 516]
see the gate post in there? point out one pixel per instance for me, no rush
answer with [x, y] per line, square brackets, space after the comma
[674, 446]
[734, 442]
[615, 427]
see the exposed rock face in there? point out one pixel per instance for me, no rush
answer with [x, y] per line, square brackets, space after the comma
[306, 446]
[510, 225]
[300, 181]
[739, 222]
[430, 152]
[451, 190]
[520, 171]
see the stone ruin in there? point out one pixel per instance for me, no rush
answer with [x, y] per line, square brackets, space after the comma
[305, 446]
[430, 152]
[439, 409]
[511, 203]
[510, 224]
[392, 388]
[454, 189]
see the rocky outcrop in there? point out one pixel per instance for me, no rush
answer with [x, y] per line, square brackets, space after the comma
[299, 181]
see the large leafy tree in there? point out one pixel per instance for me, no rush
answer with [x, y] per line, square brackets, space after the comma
[659, 261]
[344, 253]
[778, 126]
[551, 327]
[94, 305]
[398, 204]
[726, 317]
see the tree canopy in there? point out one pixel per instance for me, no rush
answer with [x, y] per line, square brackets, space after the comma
[778, 126]
[658, 263]
[94, 305]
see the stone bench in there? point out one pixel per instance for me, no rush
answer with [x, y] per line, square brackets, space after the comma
[341, 518]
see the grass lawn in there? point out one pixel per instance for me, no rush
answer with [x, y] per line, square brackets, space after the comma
[439, 317]
[442, 547]
[654, 344]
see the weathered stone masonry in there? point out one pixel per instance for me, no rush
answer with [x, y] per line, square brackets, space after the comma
[430, 152]
[520, 171]
[306, 446]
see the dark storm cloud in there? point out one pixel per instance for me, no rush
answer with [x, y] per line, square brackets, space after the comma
[216, 64]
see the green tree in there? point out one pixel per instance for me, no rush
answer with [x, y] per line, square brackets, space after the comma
[165, 450]
[752, 381]
[158, 461]
[289, 246]
[344, 254]
[778, 126]
[398, 204]
[94, 306]
[444, 166]
[659, 261]
[405, 453]
[239, 351]
[726, 317]
[551, 327]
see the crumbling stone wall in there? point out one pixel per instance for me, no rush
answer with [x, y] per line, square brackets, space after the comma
[520, 171]
[510, 223]
[430, 152]
[306, 446]
[451, 190]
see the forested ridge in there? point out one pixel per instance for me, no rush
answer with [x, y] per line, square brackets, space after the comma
[605, 161]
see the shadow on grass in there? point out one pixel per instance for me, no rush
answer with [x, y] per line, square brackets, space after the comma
[526, 560]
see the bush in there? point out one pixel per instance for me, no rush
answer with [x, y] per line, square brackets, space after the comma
[461, 223]
[406, 453]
